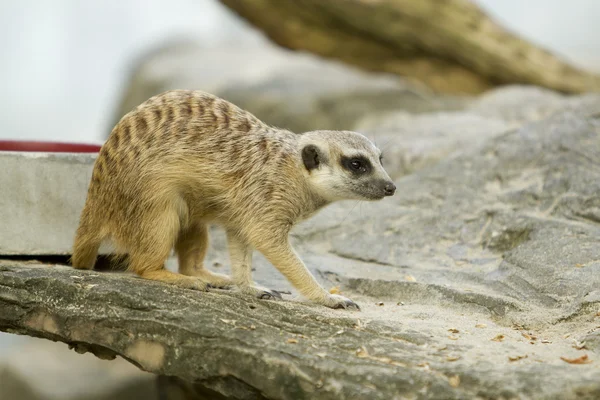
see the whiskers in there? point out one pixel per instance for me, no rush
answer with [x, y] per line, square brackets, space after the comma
[374, 140]
[384, 144]
[351, 210]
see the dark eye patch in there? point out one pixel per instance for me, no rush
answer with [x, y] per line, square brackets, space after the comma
[358, 165]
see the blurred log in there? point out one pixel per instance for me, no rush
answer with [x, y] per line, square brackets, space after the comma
[450, 45]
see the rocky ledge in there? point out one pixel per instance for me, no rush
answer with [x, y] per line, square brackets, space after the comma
[479, 279]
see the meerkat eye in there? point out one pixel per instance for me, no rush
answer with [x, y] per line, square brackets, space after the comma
[356, 165]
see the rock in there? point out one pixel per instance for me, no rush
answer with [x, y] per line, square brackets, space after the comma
[411, 142]
[474, 280]
[291, 90]
[414, 141]
[518, 104]
[300, 92]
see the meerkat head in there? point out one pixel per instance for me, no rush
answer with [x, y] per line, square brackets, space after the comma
[344, 165]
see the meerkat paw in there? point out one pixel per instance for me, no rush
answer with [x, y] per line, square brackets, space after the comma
[219, 281]
[261, 293]
[193, 284]
[214, 280]
[182, 281]
[336, 301]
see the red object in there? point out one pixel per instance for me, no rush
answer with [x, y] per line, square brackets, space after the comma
[48, 147]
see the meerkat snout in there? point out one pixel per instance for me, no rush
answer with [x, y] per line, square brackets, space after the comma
[388, 188]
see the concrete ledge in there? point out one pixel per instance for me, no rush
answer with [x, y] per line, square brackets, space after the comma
[41, 197]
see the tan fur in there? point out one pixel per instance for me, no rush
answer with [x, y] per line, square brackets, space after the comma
[185, 159]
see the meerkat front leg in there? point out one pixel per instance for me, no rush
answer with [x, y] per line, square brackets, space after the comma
[240, 253]
[191, 247]
[281, 254]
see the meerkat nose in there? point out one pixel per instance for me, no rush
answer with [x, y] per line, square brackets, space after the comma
[389, 189]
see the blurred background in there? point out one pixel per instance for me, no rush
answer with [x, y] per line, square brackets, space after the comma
[67, 67]
[66, 62]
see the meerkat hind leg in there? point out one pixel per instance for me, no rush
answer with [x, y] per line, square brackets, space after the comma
[240, 254]
[191, 247]
[154, 269]
[149, 244]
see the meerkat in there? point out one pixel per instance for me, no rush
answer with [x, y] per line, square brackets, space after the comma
[185, 159]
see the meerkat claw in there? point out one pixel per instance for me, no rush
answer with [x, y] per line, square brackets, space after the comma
[261, 293]
[337, 302]
[270, 295]
[348, 304]
[222, 287]
[193, 284]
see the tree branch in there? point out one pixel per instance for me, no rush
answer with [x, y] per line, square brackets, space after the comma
[452, 45]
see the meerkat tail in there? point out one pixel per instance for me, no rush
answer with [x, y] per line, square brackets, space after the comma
[84, 253]
[85, 248]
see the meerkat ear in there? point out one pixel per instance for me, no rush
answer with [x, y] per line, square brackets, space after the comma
[311, 156]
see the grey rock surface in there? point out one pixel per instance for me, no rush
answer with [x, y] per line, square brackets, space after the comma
[291, 90]
[414, 141]
[474, 280]
[411, 142]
